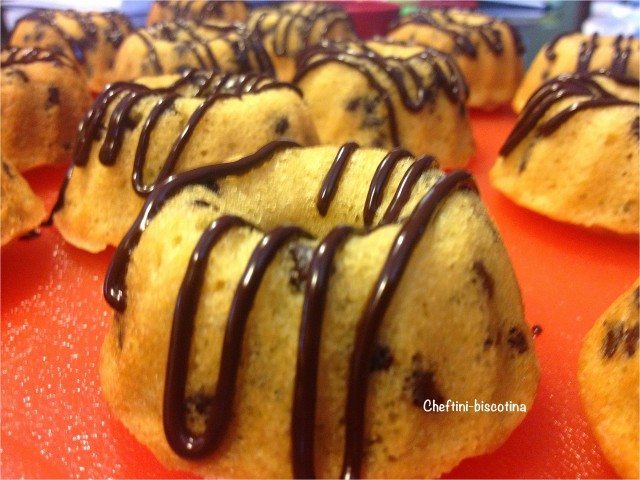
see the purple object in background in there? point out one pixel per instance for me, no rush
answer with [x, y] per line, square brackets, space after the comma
[372, 17]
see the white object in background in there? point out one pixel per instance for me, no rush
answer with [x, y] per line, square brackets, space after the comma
[613, 18]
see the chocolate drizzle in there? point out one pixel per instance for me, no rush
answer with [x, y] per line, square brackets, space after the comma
[292, 31]
[211, 9]
[330, 183]
[462, 33]
[23, 56]
[401, 72]
[182, 440]
[127, 95]
[200, 40]
[592, 94]
[117, 26]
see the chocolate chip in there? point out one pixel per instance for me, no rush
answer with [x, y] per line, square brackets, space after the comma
[635, 127]
[536, 330]
[382, 358]
[613, 338]
[371, 122]
[485, 277]
[423, 387]
[488, 342]
[7, 171]
[301, 255]
[53, 97]
[631, 340]
[517, 340]
[371, 103]
[282, 125]
[353, 104]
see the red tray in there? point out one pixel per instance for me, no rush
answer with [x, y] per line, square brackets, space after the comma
[55, 423]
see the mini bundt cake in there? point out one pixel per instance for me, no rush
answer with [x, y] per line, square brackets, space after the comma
[249, 299]
[173, 47]
[22, 210]
[608, 374]
[91, 38]
[385, 95]
[488, 50]
[197, 10]
[43, 97]
[573, 154]
[135, 136]
[578, 53]
[289, 29]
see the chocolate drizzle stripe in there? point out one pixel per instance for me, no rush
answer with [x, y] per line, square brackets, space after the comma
[379, 182]
[24, 56]
[180, 438]
[305, 384]
[381, 296]
[551, 92]
[152, 53]
[403, 193]
[587, 48]
[330, 182]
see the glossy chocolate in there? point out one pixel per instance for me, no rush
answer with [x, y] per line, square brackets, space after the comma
[183, 441]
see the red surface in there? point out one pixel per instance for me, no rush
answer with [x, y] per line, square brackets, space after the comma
[372, 17]
[56, 424]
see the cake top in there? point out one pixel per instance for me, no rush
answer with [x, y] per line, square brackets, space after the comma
[588, 90]
[198, 11]
[462, 26]
[118, 26]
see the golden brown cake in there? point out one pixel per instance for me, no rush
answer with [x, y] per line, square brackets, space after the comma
[289, 29]
[573, 154]
[488, 50]
[22, 210]
[136, 136]
[577, 53]
[249, 299]
[608, 374]
[387, 95]
[43, 97]
[173, 47]
[91, 38]
[197, 10]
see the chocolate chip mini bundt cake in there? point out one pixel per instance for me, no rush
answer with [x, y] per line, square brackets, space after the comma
[385, 95]
[488, 50]
[326, 296]
[135, 136]
[22, 210]
[608, 374]
[173, 47]
[292, 27]
[577, 53]
[573, 154]
[197, 10]
[44, 95]
[91, 38]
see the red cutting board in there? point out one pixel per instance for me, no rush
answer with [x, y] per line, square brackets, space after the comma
[55, 423]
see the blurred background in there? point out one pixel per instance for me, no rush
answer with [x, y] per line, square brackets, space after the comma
[537, 20]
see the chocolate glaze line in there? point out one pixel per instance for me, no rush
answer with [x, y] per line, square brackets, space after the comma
[462, 36]
[303, 413]
[331, 180]
[180, 438]
[381, 296]
[408, 182]
[551, 92]
[152, 53]
[27, 55]
[588, 47]
[379, 183]
[367, 61]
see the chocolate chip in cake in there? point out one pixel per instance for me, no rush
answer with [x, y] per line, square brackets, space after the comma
[282, 125]
[612, 340]
[485, 277]
[488, 342]
[301, 255]
[200, 203]
[382, 358]
[53, 97]
[423, 387]
[635, 127]
[517, 340]
[631, 340]
[7, 170]
[353, 104]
